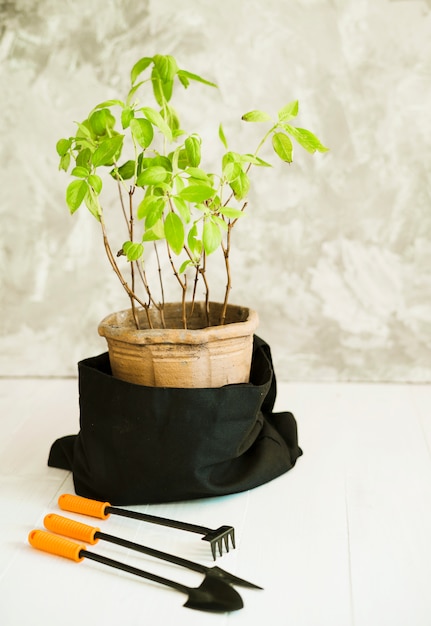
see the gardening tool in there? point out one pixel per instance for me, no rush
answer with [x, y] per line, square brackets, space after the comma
[212, 595]
[102, 510]
[90, 534]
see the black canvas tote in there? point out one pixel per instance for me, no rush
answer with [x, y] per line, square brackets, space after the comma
[139, 445]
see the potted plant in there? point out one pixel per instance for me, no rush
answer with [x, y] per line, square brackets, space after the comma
[174, 424]
[172, 207]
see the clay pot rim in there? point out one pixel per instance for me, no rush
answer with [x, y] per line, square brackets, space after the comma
[110, 328]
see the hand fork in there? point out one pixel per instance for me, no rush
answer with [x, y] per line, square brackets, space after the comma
[102, 510]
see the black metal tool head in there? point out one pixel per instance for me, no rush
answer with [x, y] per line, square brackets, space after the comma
[227, 577]
[215, 596]
[218, 537]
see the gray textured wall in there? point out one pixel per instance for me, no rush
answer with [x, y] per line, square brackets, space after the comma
[336, 253]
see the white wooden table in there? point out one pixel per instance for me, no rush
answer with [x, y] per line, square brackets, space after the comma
[344, 539]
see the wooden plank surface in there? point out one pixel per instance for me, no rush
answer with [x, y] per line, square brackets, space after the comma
[343, 539]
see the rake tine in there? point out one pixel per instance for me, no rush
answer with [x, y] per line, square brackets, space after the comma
[217, 537]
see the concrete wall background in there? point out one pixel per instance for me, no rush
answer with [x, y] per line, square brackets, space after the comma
[335, 254]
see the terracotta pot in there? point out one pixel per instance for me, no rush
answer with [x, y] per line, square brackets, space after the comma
[201, 356]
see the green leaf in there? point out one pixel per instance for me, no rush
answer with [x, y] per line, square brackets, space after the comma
[107, 150]
[101, 120]
[84, 158]
[155, 118]
[222, 136]
[198, 174]
[231, 213]
[139, 67]
[183, 161]
[179, 183]
[171, 117]
[127, 114]
[251, 158]
[231, 157]
[156, 232]
[194, 244]
[185, 77]
[306, 139]
[211, 236]
[149, 204]
[83, 130]
[142, 131]
[108, 103]
[133, 250]
[231, 171]
[282, 146]
[174, 232]
[162, 89]
[184, 266]
[240, 186]
[163, 161]
[256, 116]
[133, 91]
[289, 111]
[95, 183]
[197, 193]
[182, 208]
[92, 204]
[193, 150]
[80, 172]
[75, 194]
[63, 146]
[64, 162]
[152, 176]
[220, 222]
[155, 213]
[166, 67]
[125, 171]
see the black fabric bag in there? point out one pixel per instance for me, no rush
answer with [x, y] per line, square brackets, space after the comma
[140, 445]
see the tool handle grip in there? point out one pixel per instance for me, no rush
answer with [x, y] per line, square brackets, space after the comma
[71, 528]
[85, 506]
[54, 544]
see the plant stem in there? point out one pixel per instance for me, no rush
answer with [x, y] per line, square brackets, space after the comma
[159, 269]
[183, 303]
[132, 263]
[226, 251]
[143, 276]
[271, 130]
[116, 269]
[182, 284]
[195, 285]
[202, 271]
[123, 208]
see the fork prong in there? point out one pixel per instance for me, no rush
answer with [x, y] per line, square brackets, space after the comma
[213, 549]
[226, 541]
[218, 537]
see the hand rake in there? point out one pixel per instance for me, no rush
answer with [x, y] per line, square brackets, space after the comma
[102, 510]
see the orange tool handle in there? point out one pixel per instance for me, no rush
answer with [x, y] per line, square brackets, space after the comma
[78, 504]
[54, 544]
[71, 528]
